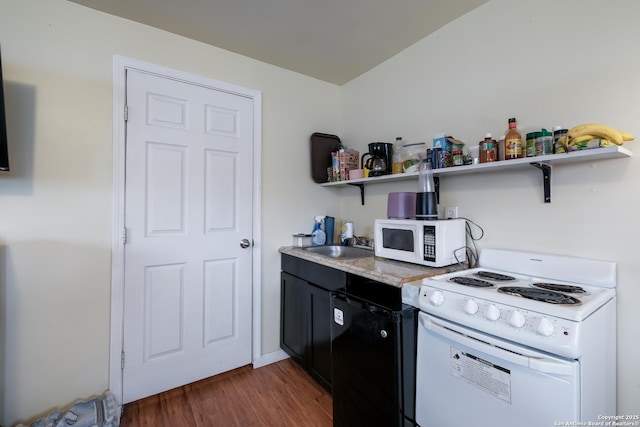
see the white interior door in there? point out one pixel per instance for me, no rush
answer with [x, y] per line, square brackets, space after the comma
[188, 205]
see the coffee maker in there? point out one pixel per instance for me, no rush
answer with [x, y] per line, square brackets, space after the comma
[380, 158]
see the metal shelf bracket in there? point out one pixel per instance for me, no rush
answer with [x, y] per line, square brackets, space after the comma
[546, 179]
[361, 192]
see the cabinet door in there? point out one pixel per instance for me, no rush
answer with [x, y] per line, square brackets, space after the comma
[319, 356]
[293, 312]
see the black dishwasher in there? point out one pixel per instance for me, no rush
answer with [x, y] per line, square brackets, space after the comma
[373, 347]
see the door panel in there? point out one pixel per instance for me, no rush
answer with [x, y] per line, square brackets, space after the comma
[188, 203]
[165, 193]
[221, 168]
[164, 287]
[220, 288]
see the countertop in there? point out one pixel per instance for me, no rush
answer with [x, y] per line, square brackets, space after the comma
[394, 273]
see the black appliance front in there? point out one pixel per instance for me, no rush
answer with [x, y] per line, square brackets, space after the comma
[373, 362]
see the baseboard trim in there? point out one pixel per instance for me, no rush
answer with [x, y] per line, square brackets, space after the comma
[269, 358]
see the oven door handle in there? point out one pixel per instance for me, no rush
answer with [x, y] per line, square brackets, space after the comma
[503, 350]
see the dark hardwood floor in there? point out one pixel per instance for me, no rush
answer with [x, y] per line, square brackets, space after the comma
[280, 394]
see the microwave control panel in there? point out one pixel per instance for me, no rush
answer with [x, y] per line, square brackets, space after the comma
[429, 243]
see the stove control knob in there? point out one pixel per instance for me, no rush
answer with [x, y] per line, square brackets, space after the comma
[436, 298]
[493, 313]
[545, 327]
[471, 307]
[517, 319]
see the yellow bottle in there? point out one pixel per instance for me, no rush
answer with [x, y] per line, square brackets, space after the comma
[397, 156]
[513, 142]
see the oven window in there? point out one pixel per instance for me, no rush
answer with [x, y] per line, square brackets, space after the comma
[400, 240]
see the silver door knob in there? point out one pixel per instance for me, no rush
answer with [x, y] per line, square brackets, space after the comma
[384, 333]
[245, 243]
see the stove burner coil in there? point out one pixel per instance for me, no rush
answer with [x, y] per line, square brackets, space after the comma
[470, 281]
[494, 276]
[542, 295]
[570, 289]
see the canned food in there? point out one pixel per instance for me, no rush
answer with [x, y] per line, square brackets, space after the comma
[458, 158]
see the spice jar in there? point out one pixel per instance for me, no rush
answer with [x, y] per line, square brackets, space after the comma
[488, 149]
[532, 138]
[544, 143]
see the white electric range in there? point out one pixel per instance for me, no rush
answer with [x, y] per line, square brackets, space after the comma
[524, 339]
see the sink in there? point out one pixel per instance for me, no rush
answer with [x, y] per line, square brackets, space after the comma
[341, 252]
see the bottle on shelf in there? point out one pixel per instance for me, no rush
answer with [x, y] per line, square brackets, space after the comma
[513, 142]
[488, 149]
[397, 156]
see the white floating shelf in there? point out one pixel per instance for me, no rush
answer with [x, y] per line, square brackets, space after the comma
[542, 162]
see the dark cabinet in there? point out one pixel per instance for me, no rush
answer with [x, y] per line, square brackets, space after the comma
[306, 314]
[319, 342]
[293, 331]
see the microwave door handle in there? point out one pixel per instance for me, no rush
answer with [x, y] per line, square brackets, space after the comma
[482, 343]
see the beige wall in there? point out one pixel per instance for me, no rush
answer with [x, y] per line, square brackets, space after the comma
[56, 204]
[544, 62]
[547, 63]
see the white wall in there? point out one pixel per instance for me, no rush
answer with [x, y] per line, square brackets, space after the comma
[56, 204]
[547, 63]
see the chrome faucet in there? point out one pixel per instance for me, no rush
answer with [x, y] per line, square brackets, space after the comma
[362, 242]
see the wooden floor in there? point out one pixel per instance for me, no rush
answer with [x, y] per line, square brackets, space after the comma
[280, 394]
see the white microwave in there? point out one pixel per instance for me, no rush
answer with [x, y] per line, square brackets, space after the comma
[432, 243]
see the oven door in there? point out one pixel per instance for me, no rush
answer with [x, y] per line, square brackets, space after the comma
[466, 378]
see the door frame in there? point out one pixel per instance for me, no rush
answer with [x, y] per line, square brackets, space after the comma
[120, 65]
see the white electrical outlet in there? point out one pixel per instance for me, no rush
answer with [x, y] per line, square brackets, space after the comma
[451, 212]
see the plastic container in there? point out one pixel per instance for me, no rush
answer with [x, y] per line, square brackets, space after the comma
[474, 153]
[398, 156]
[544, 143]
[532, 138]
[329, 223]
[302, 240]
[414, 153]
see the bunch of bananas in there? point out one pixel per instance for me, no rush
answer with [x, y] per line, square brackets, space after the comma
[589, 131]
